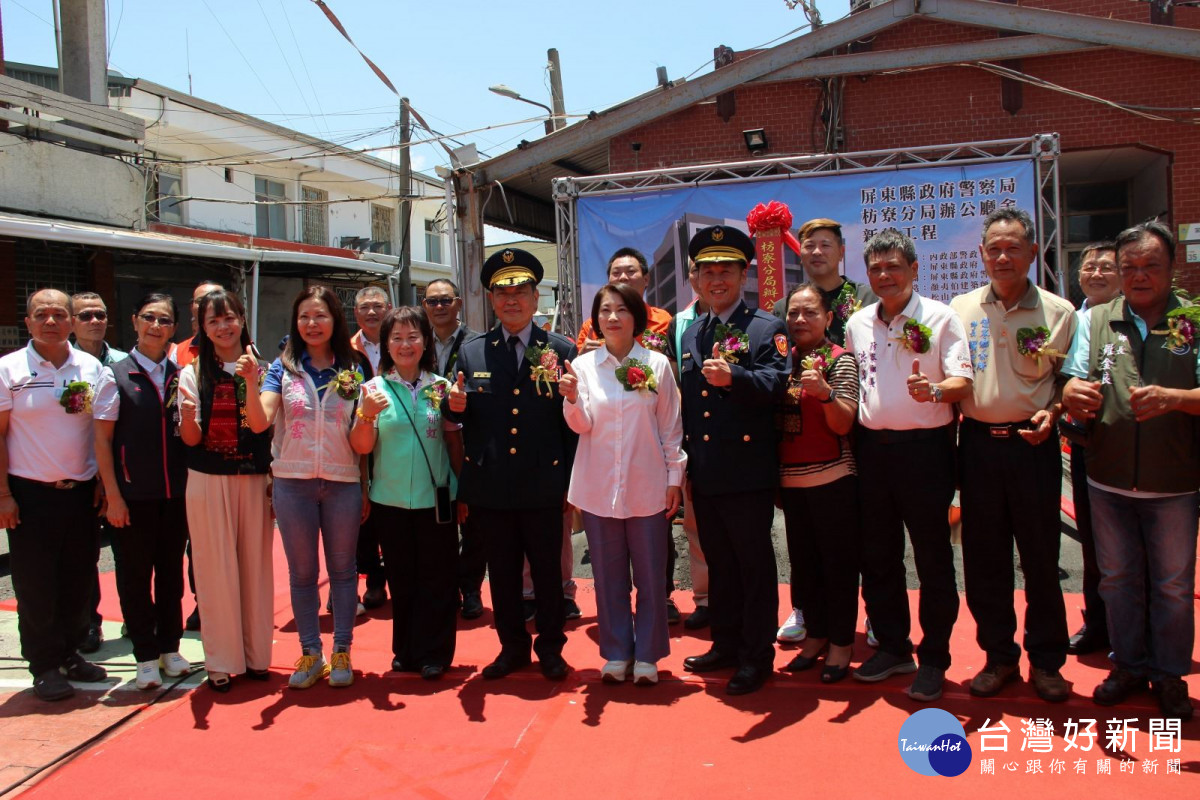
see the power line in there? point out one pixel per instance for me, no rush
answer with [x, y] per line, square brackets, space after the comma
[304, 63]
[243, 55]
[286, 62]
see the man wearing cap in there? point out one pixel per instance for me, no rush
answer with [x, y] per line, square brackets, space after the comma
[822, 250]
[734, 363]
[518, 455]
[1010, 466]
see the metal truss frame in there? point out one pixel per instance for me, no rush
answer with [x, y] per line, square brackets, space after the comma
[1043, 149]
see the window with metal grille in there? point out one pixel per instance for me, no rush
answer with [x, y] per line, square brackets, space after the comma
[270, 213]
[433, 242]
[164, 186]
[381, 229]
[316, 215]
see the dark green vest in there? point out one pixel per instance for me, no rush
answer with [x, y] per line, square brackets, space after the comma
[1160, 454]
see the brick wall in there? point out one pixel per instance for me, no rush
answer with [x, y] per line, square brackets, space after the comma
[959, 104]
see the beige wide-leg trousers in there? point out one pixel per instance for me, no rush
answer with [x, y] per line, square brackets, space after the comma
[229, 518]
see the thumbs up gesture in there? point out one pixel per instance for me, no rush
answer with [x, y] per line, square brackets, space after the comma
[568, 384]
[919, 388]
[716, 369]
[247, 367]
[457, 399]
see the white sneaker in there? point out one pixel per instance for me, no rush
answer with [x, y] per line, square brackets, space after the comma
[310, 668]
[793, 629]
[645, 673]
[148, 676]
[615, 671]
[173, 665]
[340, 671]
[360, 610]
[871, 640]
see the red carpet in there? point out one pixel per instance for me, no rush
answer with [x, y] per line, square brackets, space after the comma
[399, 736]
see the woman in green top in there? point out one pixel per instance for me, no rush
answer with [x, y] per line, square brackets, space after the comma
[416, 453]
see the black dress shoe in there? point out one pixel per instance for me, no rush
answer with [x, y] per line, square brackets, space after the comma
[432, 672]
[193, 620]
[1087, 640]
[673, 616]
[709, 662]
[398, 665]
[80, 669]
[503, 665]
[374, 598]
[697, 619]
[529, 608]
[554, 669]
[746, 680]
[52, 685]
[472, 606]
[92, 640]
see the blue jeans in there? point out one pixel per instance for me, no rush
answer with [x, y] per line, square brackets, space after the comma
[303, 509]
[1146, 550]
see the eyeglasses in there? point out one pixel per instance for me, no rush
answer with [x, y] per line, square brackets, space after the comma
[445, 302]
[150, 319]
[88, 316]
[365, 307]
[1104, 270]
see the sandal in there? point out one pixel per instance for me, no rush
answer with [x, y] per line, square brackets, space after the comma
[219, 682]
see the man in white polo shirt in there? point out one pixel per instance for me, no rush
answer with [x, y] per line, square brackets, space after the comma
[914, 364]
[48, 492]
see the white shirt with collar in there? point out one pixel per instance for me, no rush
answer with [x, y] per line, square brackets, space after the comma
[629, 441]
[441, 348]
[884, 363]
[107, 405]
[45, 443]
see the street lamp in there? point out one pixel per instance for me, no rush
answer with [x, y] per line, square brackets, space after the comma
[505, 91]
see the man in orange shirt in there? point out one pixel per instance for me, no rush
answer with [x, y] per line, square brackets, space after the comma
[630, 266]
[183, 352]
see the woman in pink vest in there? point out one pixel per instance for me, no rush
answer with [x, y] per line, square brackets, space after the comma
[819, 484]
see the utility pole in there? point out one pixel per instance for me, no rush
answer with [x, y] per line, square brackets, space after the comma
[556, 91]
[404, 280]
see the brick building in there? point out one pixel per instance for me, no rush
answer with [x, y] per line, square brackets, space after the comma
[1118, 80]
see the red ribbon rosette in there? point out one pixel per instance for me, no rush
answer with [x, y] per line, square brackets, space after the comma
[773, 215]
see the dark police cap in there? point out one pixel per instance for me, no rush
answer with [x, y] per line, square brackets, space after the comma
[721, 243]
[511, 267]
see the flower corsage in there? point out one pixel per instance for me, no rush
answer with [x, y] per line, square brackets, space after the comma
[820, 359]
[77, 397]
[436, 392]
[846, 302]
[1031, 342]
[348, 383]
[915, 337]
[545, 368]
[654, 341]
[637, 376]
[730, 342]
[1182, 324]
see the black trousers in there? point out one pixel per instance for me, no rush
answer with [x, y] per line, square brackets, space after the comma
[472, 557]
[419, 557]
[909, 477]
[1093, 603]
[512, 536]
[671, 556]
[743, 586]
[149, 553]
[52, 554]
[367, 555]
[1010, 493]
[823, 545]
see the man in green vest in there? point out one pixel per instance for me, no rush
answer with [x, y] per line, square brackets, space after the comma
[1136, 374]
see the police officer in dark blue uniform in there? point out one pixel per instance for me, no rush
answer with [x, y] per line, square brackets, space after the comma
[734, 368]
[518, 456]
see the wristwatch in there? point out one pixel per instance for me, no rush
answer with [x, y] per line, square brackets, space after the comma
[832, 396]
[935, 392]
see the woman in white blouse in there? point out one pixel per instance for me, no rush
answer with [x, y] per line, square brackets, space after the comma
[623, 402]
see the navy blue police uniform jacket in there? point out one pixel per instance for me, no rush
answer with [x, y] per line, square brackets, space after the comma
[518, 449]
[729, 432]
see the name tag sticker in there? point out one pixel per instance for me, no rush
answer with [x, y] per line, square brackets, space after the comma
[481, 374]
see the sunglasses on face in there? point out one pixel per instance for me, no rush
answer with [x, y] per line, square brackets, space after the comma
[440, 301]
[150, 319]
[88, 316]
